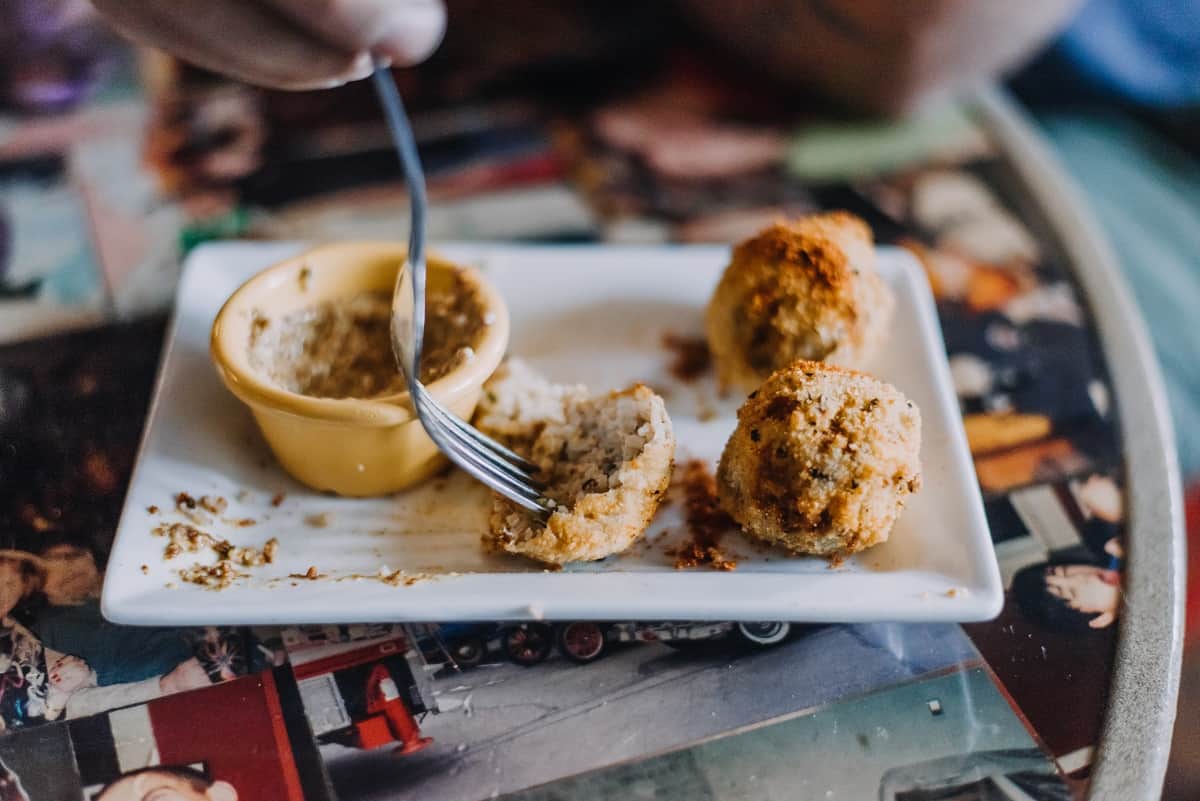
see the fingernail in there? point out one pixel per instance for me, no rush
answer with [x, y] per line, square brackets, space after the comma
[414, 38]
[363, 66]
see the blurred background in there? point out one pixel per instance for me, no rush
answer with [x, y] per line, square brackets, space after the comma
[631, 122]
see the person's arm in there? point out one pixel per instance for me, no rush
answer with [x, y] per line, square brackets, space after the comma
[91, 700]
[879, 55]
[284, 44]
[94, 700]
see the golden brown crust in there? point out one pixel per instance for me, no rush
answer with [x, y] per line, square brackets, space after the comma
[810, 243]
[593, 523]
[822, 460]
[798, 290]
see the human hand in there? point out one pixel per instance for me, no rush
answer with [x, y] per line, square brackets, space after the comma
[69, 673]
[285, 44]
[187, 675]
[1101, 497]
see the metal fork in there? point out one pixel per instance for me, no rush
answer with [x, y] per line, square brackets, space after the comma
[480, 456]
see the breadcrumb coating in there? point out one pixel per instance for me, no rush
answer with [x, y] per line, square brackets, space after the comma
[822, 460]
[805, 289]
[606, 461]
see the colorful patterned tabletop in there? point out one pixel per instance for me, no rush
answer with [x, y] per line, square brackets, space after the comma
[97, 207]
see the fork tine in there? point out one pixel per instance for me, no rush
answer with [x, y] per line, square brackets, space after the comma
[479, 466]
[496, 462]
[521, 496]
[495, 465]
[477, 437]
[497, 452]
[503, 478]
[509, 488]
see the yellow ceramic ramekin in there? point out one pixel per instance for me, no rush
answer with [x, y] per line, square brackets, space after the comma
[348, 446]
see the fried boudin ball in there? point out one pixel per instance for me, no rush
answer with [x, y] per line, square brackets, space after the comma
[822, 460]
[606, 462]
[806, 289]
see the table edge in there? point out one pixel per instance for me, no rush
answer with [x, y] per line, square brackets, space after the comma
[1131, 757]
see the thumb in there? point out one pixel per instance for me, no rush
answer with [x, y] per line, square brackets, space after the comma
[414, 32]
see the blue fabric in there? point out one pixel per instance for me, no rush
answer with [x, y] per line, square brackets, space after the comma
[1146, 195]
[118, 654]
[1147, 51]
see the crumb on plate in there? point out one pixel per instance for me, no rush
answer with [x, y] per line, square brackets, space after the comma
[214, 504]
[706, 521]
[690, 356]
[212, 577]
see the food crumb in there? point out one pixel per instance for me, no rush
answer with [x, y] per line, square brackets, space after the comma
[691, 356]
[152, 509]
[212, 577]
[245, 521]
[182, 538]
[213, 504]
[956, 592]
[258, 325]
[246, 556]
[695, 555]
[319, 520]
[277, 499]
[302, 279]
[397, 578]
[145, 569]
[836, 561]
[312, 574]
[706, 521]
[189, 507]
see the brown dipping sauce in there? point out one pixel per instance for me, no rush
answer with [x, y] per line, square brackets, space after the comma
[342, 348]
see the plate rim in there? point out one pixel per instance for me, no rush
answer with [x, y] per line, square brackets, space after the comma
[122, 602]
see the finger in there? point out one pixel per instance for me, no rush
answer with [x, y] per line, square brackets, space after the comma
[237, 38]
[403, 31]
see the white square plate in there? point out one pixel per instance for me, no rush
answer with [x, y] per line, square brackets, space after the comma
[589, 314]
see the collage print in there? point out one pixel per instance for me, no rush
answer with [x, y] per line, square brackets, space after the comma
[564, 709]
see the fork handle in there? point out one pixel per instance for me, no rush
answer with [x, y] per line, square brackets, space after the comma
[414, 177]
